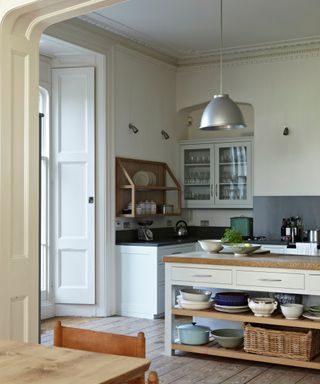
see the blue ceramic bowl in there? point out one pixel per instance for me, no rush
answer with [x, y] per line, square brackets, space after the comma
[231, 298]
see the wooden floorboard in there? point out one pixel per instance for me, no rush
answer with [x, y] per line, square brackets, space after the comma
[187, 368]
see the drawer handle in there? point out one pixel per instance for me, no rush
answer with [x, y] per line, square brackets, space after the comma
[270, 279]
[201, 275]
[176, 253]
[314, 274]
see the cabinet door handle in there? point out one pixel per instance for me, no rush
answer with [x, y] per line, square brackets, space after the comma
[216, 188]
[270, 279]
[202, 276]
[211, 190]
[176, 253]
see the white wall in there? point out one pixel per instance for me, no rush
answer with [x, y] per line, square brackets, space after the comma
[145, 96]
[284, 91]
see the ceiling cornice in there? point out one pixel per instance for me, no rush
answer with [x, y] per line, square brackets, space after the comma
[281, 48]
[185, 58]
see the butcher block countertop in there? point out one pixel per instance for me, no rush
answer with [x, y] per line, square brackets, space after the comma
[271, 260]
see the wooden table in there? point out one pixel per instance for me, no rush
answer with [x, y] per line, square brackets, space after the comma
[33, 363]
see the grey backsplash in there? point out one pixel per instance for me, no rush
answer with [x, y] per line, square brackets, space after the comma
[268, 212]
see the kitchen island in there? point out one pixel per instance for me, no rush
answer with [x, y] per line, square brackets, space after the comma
[262, 273]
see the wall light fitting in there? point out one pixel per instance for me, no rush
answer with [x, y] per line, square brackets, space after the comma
[286, 131]
[165, 135]
[133, 128]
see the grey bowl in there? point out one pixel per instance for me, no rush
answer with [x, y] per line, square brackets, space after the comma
[228, 338]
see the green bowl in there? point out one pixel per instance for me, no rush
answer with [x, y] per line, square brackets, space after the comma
[228, 338]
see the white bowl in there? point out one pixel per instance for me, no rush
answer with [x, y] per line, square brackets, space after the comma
[292, 311]
[195, 294]
[262, 306]
[241, 249]
[196, 305]
[211, 245]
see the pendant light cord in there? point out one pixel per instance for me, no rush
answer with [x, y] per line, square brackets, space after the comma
[221, 47]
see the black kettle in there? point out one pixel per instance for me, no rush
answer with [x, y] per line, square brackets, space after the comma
[181, 228]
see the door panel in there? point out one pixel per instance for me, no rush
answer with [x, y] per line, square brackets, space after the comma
[73, 124]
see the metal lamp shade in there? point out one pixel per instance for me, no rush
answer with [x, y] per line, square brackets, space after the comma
[221, 113]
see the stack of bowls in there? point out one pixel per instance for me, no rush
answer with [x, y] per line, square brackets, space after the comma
[196, 299]
[231, 302]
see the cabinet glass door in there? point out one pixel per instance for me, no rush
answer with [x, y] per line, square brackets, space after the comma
[233, 175]
[197, 176]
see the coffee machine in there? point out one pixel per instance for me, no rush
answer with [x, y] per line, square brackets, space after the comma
[292, 229]
[144, 232]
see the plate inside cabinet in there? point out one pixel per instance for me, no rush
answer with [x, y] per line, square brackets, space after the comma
[141, 178]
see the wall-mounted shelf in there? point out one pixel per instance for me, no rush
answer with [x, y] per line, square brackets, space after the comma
[165, 188]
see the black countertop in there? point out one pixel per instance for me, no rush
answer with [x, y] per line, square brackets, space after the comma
[160, 242]
[166, 237]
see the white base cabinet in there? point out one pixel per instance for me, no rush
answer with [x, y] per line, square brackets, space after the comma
[140, 278]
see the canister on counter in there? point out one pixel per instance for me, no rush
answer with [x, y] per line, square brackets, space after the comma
[242, 224]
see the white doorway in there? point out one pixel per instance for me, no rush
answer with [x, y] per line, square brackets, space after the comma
[77, 266]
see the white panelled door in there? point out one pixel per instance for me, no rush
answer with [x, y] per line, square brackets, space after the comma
[74, 212]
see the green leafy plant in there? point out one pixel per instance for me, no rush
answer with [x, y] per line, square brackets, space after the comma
[231, 236]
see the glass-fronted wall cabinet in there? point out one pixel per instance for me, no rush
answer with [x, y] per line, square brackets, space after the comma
[217, 174]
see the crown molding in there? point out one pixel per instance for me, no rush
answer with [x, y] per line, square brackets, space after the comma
[285, 49]
[130, 35]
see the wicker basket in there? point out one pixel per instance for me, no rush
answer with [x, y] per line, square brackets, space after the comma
[292, 343]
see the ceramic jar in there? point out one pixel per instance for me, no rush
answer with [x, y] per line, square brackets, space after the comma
[262, 306]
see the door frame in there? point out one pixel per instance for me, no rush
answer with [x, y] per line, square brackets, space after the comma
[22, 22]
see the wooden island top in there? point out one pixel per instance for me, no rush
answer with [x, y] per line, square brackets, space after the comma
[270, 260]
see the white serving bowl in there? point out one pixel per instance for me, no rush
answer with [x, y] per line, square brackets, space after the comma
[262, 306]
[196, 305]
[211, 245]
[191, 294]
[241, 249]
[291, 311]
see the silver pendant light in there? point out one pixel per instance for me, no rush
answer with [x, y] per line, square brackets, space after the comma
[221, 113]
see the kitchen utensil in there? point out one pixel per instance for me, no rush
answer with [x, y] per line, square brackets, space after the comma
[167, 208]
[193, 334]
[291, 311]
[311, 316]
[314, 309]
[228, 338]
[145, 233]
[195, 294]
[243, 225]
[287, 298]
[241, 249]
[314, 236]
[211, 245]
[141, 178]
[196, 305]
[231, 308]
[181, 228]
[231, 298]
[262, 306]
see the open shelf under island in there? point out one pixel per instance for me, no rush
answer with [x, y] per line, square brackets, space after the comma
[266, 273]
